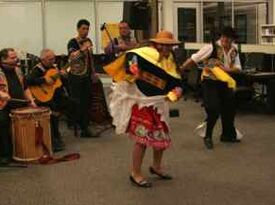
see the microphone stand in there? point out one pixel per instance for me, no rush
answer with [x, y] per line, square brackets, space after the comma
[103, 27]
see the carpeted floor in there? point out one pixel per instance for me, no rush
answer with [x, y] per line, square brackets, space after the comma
[239, 174]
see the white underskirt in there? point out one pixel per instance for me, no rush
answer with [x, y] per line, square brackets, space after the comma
[124, 96]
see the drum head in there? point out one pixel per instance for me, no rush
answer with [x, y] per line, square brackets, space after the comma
[30, 110]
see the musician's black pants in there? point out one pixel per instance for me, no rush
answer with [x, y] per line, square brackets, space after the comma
[219, 100]
[59, 104]
[5, 135]
[80, 91]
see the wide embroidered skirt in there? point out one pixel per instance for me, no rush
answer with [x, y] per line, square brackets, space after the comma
[144, 119]
[145, 127]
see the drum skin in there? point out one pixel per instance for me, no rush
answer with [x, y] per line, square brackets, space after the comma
[24, 123]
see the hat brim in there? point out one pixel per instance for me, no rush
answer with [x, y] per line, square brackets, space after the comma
[165, 41]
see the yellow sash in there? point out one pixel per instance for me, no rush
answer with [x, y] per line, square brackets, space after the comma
[221, 75]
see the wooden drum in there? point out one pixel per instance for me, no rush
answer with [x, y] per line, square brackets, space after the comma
[31, 133]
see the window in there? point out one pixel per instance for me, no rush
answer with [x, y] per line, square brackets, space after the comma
[245, 17]
[215, 16]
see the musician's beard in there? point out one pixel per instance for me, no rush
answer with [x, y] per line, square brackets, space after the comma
[126, 37]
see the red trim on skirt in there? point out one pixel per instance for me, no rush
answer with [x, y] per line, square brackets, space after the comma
[146, 128]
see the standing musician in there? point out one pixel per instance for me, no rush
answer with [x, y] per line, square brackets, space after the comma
[80, 50]
[123, 43]
[220, 59]
[58, 103]
[139, 101]
[13, 93]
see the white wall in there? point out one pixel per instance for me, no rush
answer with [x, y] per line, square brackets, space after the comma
[109, 12]
[21, 26]
[22, 21]
[168, 15]
[61, 20]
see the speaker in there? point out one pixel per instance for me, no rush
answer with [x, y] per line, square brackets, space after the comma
[137, 14]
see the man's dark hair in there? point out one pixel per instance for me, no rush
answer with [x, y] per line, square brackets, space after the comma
[124, 21]
[82, 22]
[229, 32]
[4, 53]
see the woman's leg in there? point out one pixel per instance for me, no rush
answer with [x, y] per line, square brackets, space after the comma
[138, 155]
[157, 159]
[156, 168]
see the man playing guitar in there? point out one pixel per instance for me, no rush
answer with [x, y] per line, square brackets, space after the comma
[39, 78]
[13, 94]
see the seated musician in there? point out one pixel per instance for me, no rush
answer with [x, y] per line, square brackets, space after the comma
[13, 92]
[141, 113]
[57, 103]
[218, 86]
[123, 43]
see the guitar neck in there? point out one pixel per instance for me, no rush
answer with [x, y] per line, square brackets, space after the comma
[18, 100]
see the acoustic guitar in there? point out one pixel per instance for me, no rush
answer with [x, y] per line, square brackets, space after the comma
[45, 92]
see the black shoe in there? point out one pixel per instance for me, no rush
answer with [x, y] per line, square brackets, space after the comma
[89, 134]
[160, 175]
[57, 147]
[60, 141]
[4, 162]
[208, 143]
[230, 140]
[143, 183]
[9, 163]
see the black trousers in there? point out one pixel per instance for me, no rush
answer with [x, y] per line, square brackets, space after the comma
[219, 100]
[59, 103]
[80, 92]
[5, 135]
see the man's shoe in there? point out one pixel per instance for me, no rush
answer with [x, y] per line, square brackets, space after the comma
[4, 162]
[60, 141]
[208, 143]
[232, 140]
[89, 134]
[58, 148]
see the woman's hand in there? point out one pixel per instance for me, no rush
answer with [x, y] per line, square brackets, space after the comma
[175, 94]
[178, 91]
